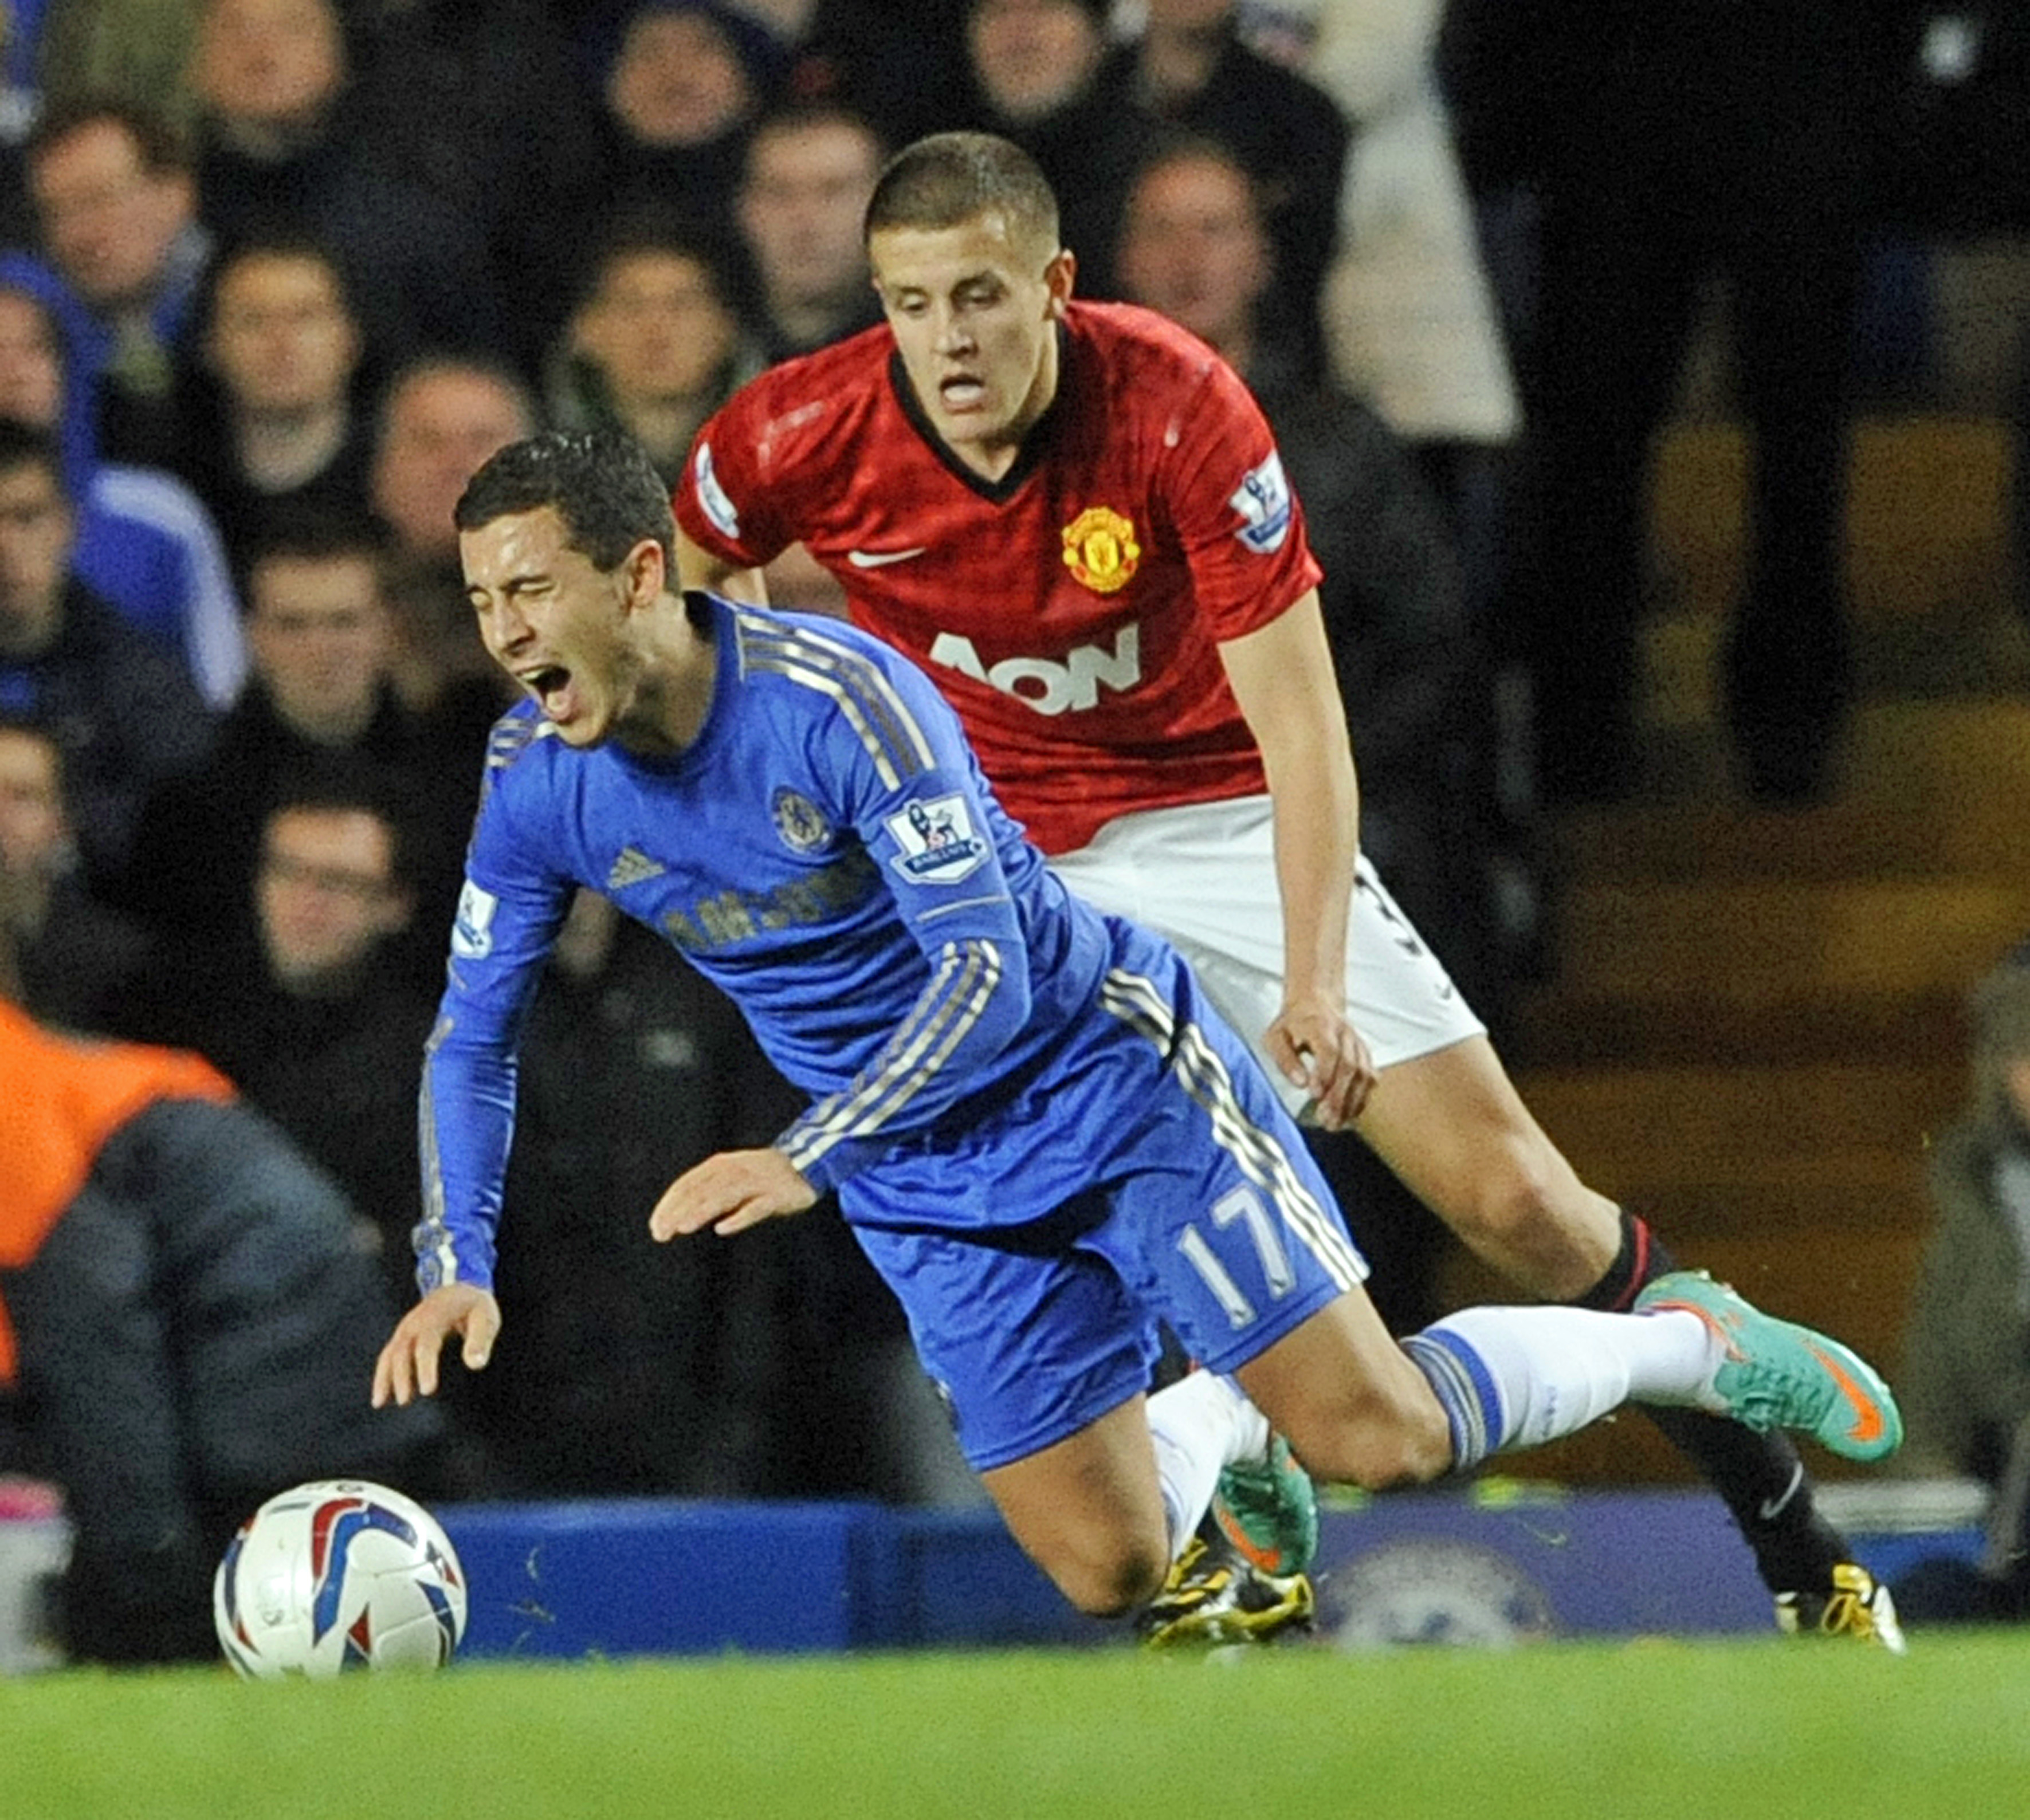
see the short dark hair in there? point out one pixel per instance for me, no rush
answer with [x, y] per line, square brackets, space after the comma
[601, 483]
[1178, 145]
[340, 783]
[25, 445]
[278, 238]
[951, 178]
[811, 116]
[435, 364]
[162, 143]
[653, 231]
[310, 534]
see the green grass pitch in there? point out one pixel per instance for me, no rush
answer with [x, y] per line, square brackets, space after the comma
[1751, 1729]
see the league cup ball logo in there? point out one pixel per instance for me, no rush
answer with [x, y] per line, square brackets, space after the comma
[1100, 550]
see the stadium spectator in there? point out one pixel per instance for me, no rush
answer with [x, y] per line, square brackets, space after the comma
[314, 1020]
[126, 711]
[281, 423]
[144, 543]
[1190, 69]
[484, 104]
[1033, 69]
[656, 343]
[80, 959]
[323, 687]
[890, 62]
[681, 83]
[281, 145]
[187, 1308]
[1966, 1347]
[115, 191]
[1164, 704]
[803, 184]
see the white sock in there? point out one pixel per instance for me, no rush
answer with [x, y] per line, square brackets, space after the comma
[1543, 1373]
[1200, 1423]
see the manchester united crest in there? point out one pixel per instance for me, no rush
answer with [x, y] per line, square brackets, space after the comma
[1100, 550]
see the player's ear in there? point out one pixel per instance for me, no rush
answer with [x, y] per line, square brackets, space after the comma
[645, 573]
[1058, 278]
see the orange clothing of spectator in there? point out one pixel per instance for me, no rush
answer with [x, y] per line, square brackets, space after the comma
[61, 1099]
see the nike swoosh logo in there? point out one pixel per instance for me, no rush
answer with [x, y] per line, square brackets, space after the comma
[1268, 1560]
[1868, 1423]
[1770, 1508]
[881, 558]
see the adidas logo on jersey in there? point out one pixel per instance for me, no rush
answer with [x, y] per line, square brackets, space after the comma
[632, 868]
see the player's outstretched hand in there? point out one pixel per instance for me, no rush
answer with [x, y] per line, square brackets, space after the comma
[731, 1192]
[408, 1366]
[1318, 1050]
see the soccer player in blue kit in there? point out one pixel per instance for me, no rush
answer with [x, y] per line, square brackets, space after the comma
[1043, 1137]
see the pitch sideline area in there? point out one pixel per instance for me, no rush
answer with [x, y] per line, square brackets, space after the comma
[1651, 1727]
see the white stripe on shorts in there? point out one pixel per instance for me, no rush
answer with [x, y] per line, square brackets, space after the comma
[1261, 1158]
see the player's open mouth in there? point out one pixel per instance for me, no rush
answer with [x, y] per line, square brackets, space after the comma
[962, 392]
[551, 687]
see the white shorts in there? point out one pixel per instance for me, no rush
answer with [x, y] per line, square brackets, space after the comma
[1204, 875]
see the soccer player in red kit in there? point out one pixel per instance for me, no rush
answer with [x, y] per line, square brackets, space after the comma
[1073, 515]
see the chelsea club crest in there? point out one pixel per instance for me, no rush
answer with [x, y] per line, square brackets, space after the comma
[799, 821]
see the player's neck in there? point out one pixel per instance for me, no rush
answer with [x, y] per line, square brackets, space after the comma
[991, 461]
[673, 695]
[1234, 343]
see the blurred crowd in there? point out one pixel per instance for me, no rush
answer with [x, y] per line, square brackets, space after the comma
[276, 275]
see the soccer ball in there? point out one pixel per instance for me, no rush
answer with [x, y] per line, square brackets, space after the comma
[335, 1575]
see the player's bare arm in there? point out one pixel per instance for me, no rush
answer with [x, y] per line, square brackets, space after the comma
[408, 1366]
[1282, 676]
[698, 567]
[730, 1192]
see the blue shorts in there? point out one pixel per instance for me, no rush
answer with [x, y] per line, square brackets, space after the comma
[1200, 1209]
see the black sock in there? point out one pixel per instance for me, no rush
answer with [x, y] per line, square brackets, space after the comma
[1760, 1477]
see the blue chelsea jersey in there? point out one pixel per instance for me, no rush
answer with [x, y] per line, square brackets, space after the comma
[827, 852]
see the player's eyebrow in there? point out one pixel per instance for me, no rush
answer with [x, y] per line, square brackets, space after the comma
[985, 278]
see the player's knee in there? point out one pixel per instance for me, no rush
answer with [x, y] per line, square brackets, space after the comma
[1517, 1193]
[1112, 1576]
[1527, 1211]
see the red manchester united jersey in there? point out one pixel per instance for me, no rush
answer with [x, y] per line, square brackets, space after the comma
[1070, 610]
